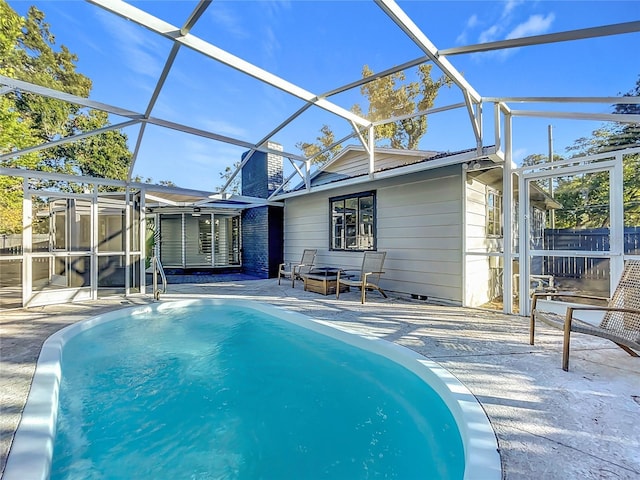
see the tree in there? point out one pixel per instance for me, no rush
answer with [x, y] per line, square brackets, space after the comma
[585, 197]
[234, 187]
[104, 155]
[324, 141]
[27, 52]
[15, 133]
[388, 97]
[604, 139]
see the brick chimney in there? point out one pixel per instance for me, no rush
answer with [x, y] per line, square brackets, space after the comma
[262, 227]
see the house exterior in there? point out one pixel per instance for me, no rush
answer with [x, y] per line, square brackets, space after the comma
[450, 231]
[438, 216]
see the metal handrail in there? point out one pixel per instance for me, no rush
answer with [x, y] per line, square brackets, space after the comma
[156, 265]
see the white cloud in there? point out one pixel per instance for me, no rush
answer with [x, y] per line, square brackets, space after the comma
[270, 44]
[472, 22]
[535, 25]
[276, 8]
[228, 21]
[137, 47]
[461, 39]
[490, 34]
[518, 155]
[509, 6]
[222, 127]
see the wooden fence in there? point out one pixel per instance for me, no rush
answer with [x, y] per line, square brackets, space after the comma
[589, 240]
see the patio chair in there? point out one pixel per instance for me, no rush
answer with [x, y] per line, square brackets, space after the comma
[621, 321]
[294, 270]
[367, 278]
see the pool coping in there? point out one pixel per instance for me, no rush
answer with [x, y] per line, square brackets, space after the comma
[32, 449]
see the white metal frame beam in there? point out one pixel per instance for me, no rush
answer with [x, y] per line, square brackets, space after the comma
[472, 98]
[615, 29]
[356, 128]
[604, 117]
[15, 84]
[407, 25]
[149, 189]
[71, 138]
[608, 100]
[182, 37]
[169, 31]
[50, 93]
[188, 25]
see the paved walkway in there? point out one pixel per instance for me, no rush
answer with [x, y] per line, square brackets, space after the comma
[550, 424]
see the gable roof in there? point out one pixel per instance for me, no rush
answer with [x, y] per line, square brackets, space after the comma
[352, 166]
[357, 154]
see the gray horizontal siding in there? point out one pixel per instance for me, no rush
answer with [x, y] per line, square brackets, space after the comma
[418, 225]
[359, 164]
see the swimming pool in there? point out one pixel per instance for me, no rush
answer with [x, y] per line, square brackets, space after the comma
[267, 393]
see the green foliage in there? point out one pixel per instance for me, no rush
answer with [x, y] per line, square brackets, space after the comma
[585, 201]
[585, 197]
[10, 30]
[387, 98]
[234, 186]
[10, 205]
[392, 96]
[324, 141]
[103, 155]
[28, 52]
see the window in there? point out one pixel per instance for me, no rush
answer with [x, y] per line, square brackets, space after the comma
[537, 227]
[353, 222]
[494, 213]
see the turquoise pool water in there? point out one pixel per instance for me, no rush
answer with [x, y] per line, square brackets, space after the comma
[231, 392]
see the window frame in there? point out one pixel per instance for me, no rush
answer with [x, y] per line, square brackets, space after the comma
[359, 237]
[494, 222]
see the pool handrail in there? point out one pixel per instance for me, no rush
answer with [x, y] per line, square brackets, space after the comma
[156, 266]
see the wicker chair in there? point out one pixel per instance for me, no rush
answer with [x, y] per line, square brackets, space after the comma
[621, 322]
[294, 270]
[366, 278]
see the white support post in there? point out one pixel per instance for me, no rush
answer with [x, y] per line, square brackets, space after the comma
[480, 130]
[474, 109]
[183, 240]
[212, 216]
[372, 150]
[307, 174]
[497, 127]
[363, 142]
[465, 241]
[507, 211]
[93, 261]
[27, 245]
[616, 203]
[523, 242]
[127, 242]
[143, 242]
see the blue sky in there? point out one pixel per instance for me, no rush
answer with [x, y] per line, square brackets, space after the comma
[320, 45]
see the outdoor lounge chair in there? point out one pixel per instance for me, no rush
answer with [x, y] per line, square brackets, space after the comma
[294, 270]
[621, 322]
[367, 277]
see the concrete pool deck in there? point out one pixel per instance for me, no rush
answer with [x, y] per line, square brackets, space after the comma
[550, 424]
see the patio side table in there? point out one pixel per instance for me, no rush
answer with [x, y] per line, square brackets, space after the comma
[323, 280]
